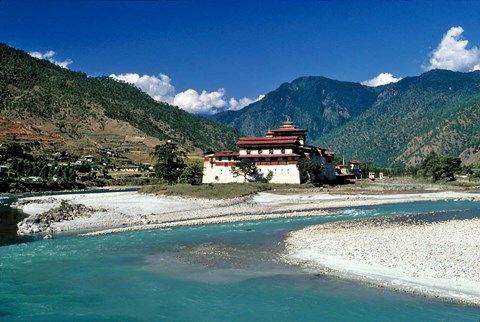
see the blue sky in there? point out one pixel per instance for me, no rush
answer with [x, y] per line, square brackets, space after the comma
[206, 56]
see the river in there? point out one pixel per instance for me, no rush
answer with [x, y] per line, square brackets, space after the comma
[224, 272]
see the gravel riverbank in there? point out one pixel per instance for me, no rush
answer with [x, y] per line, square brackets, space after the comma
[122, 211]
[440, 259]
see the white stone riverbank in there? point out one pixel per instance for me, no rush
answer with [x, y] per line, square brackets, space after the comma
[440, 259]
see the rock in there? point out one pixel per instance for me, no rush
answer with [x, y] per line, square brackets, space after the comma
[48, 236]
[41, 222]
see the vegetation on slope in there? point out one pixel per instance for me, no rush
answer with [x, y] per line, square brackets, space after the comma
[437, 111]
[393, 125]
[41, 92]
[317, 104]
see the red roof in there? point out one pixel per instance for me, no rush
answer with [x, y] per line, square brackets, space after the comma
[269, 155]
[355, 162]
[329, 153]
[291, 137]
[288, 129]
[226, 154]
[292, 140]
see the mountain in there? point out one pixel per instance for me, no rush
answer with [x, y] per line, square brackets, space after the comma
[437, 111]
[318, 104]
[40, 101]
[391, 125]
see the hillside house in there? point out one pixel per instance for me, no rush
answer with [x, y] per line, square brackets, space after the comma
[355, 166]
[277, 152]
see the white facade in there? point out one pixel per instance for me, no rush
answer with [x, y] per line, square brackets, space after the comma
[278, 152]
[217, 169]
[281, 173]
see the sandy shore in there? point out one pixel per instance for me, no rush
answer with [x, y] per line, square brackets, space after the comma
[438, 259]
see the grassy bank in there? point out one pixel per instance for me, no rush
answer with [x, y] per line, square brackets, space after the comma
[222, 190]
[208, 191]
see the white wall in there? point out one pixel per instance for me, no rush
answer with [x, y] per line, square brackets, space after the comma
[218, 174]
[281, 173]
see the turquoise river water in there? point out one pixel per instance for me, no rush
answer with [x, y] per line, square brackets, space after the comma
[227, 272]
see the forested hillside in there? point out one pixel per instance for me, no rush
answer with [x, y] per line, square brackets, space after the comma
[391, 125]
[438, 111]
[39, 100]
[318, 104]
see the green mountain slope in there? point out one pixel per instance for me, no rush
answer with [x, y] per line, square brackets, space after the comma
[437, 111]
[84, 111]
[392, 125]
[318, 104]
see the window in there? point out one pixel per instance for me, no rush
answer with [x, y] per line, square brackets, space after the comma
[283, 151]
[270, 151]
[248, 151]
[259, 151]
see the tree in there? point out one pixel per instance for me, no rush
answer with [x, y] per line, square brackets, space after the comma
[170, 162]
[309, 170]
[192, 173]
[269, 176]
[246, 169]
[439, 168]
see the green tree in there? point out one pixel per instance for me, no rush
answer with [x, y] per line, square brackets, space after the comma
[246, 169]
[268, 177]
[192, 173]
[439, 168]
[170, 162]
[309, 170]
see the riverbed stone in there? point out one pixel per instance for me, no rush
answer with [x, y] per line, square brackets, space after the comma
[38, 223]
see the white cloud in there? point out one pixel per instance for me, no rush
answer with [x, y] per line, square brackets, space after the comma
[238, 105]
[452, 53]
[204, 103]
[161, 89]
[381, 79]
[49, 56]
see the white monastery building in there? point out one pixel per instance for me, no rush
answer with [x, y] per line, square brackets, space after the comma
[278, 151]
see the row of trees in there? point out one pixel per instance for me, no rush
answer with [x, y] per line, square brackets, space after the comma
[28, 171]
[435, 168]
